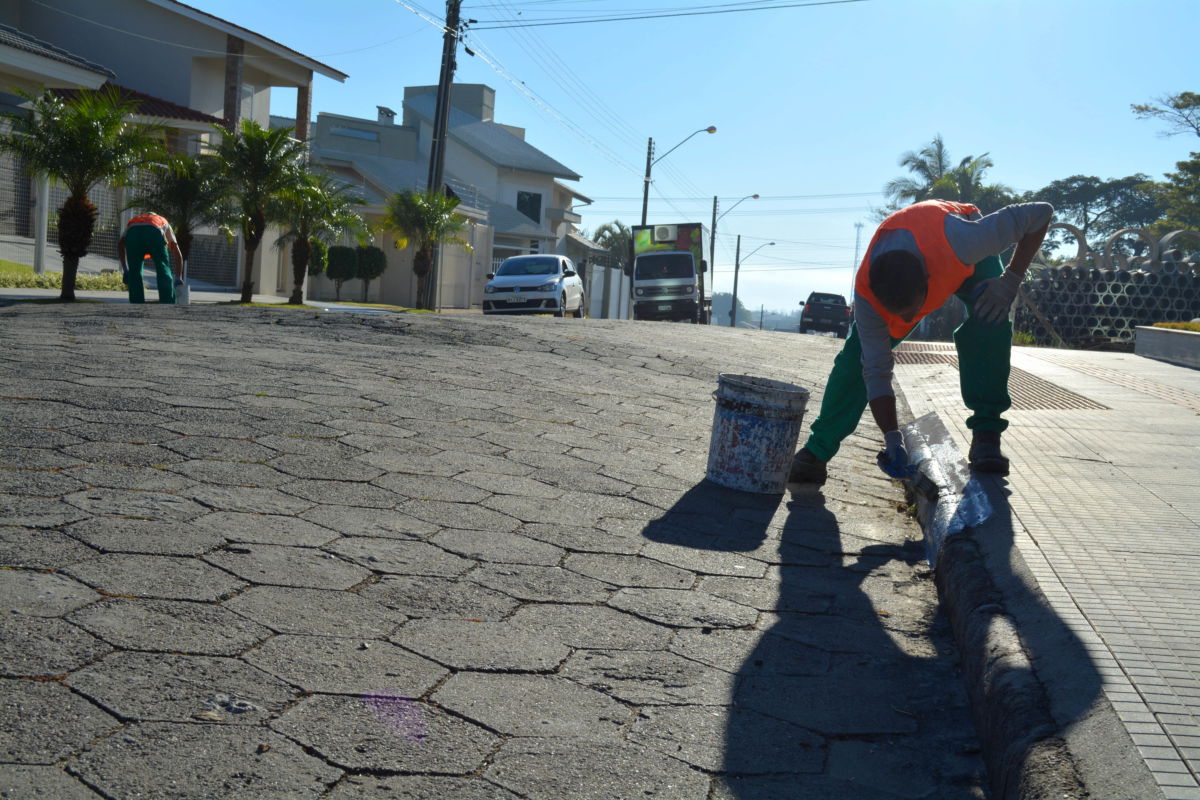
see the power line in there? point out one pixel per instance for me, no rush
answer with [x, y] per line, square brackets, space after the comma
[672, 14]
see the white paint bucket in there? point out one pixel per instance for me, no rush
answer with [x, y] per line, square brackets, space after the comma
[756, 424]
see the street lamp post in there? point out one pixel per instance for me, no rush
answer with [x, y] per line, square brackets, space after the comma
[712, 242]
[651, 161]
[737, 263]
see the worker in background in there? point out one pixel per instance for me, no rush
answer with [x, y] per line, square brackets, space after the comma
[149, 235]
[919, 256]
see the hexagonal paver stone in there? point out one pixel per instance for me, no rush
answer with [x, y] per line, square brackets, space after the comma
[34, 647]
[346, 666]
[553, 768]
[369, 522]
[683, 608]
[501, 548]
[288, 566]
[37, 512]
[431, 487]
[343, 493]
[585, 539]
[467, 516]
[382, 731]
[629, 571]
[541, 584]
[265, 529]
[644, 677]
[170, 626]
[41, 594]
[143, 479]
[35, 549]
[248, 498]
[44, 783]
[130, 433]
[716, 738]
[173, 688]
[39, 483]
[421, 596]
[417, 787]
[41, 723]
[197, 762]
[119, 535]
[485, 646]
[221, 449]
[533, 705]
[315, 612]
[129, 503]
[750, 652]
[593, 627]
[703, 561]
[131, 455]
[231, 473]
[164, 577]
[324, 467]
[400, 557]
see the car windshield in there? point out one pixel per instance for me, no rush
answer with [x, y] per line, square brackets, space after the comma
[832, 299]
[664, 265]
[528, 266]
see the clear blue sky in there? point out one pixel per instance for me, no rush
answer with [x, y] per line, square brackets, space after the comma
[813, 105]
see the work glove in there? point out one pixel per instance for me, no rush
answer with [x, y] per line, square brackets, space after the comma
[995, 296]
[894, 460]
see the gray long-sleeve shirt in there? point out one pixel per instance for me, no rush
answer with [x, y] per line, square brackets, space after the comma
[973, 238]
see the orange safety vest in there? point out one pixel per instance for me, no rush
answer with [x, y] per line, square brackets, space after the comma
[149, 219]
[926, 221]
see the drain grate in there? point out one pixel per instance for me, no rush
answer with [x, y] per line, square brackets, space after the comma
[1172, 394]
[1028, 391]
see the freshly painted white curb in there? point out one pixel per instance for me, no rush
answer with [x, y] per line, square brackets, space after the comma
[1168, 344]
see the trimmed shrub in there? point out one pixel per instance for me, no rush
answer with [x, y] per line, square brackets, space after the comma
[318, 257]
[371, 264]
[342, 267]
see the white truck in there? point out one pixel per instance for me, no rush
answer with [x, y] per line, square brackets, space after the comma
[667, 272]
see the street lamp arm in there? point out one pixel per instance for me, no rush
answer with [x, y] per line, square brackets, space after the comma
[709, 129]
[735, 205]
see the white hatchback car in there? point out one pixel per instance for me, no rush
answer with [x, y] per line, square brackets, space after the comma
[534, 284]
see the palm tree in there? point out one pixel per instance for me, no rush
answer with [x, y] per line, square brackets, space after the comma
[258, 165]
[929, 165]
[78, 141]
[617, 238]
[188, 191]
[424, 219]
[965, 184]
[316, 208]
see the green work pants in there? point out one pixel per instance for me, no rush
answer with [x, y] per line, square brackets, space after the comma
[142, 241]
[983, 367]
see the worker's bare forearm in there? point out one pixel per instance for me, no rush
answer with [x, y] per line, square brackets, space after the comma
[883, 409]
[1027, 248]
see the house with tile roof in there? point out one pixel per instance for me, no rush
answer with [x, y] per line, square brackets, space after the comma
[511, 192]
[184, 68]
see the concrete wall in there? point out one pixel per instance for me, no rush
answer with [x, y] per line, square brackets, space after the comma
[1168, 344]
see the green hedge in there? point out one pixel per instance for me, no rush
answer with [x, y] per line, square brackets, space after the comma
[108, 282]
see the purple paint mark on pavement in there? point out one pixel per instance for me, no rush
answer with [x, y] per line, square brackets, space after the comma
[404, 717]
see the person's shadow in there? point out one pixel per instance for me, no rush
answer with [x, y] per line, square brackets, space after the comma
[842, 696]
[853, 688]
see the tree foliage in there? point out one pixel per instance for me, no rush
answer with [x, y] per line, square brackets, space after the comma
[1180, 111]
[259, 164]
[424, 220]
[78, 140]
[936, 176]
[372, 262]
[617, 238]
[315, 208]
[189, 191]
[1100, 208]
[1180, 196]
[318, 256]
[342, 267]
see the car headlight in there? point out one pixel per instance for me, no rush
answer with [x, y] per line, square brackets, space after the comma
[547, 287]
[489, 289]
[639, 292]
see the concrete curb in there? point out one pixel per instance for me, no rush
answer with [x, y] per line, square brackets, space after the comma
[1025, 756]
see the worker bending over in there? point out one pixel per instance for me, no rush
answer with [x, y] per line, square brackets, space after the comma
[149, 235]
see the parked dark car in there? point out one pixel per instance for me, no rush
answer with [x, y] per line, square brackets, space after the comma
[825, 312]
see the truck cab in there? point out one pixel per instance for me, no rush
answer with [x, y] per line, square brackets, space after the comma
[667, 269]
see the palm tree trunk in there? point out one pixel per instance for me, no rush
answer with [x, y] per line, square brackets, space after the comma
[300, 255]
[258, 224]
[76, 222]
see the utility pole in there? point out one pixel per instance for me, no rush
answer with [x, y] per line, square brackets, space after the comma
[858, 226]
[737, 262]
[761, 309]
[441, 124]
[646, 179]
[712, 259]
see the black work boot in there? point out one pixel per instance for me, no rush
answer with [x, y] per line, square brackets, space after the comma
[985, 455]
[807, 472]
